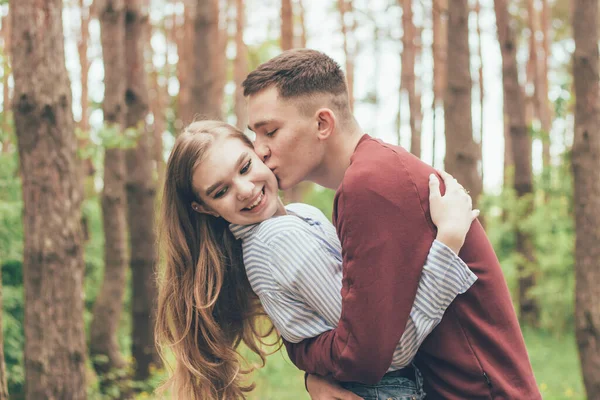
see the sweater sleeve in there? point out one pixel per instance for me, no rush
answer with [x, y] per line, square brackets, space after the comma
[385, 238]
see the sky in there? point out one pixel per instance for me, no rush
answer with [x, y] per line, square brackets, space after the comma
[375, 71]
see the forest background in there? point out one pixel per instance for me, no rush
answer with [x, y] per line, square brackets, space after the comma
[502, 94]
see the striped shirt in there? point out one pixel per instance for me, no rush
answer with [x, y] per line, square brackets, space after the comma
[294, 265]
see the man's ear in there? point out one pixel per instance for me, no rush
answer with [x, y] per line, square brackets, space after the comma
[326, 123]
[202, 209]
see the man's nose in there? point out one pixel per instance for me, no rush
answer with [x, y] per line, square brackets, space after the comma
[262, 150]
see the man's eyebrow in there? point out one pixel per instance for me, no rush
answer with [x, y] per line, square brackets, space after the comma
[260, 123]
[212, 188]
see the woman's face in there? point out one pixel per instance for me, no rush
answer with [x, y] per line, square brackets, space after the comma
[235, 184]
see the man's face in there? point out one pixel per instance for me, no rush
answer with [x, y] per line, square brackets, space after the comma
[286, 139]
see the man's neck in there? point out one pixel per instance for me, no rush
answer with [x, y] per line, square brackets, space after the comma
[340, 148]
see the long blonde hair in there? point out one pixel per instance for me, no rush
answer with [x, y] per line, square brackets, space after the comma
[206, 306]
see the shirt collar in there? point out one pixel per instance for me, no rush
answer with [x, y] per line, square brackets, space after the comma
[241, 232]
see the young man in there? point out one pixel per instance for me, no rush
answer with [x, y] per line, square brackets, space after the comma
[299, 109]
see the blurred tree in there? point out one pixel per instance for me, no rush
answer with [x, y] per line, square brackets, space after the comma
[586, 164]
[83, 37]
[141, 190]
[184, 34]
[544, 106]
[240, 66]
[287, 25]
[481, 87]
[159, 92]
[205, 78]
[346, 9]
[302, 37]
[439, 12]
[514, 109]
[408, 79]
[108, 307]
[462, 153]
[55, 349]
[5, 33]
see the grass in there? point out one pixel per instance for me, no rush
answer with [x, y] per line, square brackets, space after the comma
[554, 359]
[556, 365]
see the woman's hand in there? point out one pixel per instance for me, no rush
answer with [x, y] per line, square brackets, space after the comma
[453, 212]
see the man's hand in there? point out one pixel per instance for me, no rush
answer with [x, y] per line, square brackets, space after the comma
[325, 388]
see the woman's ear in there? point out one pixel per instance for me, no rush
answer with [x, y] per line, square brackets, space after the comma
[201, 209]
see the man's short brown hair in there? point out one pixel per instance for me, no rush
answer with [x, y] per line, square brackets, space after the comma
[298, 72]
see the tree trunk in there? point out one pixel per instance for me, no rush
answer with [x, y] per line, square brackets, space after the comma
[6, 145]
[3, 386]
[185, 41]
[53, 265]
[586, 164]
[481, 90]
[545, 110]
[104, 347]
[303, 35]
[462, 153]
[240, 66]
[346, 7]
[140, 197]
[408, 75]
[206, 49]
[82, 49]
[439, 49]
[514, 108]
[287, 25]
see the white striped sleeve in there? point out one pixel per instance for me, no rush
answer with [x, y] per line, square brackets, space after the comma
[305, 269]
[444, 277]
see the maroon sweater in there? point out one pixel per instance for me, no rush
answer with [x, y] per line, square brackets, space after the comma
[381, 214]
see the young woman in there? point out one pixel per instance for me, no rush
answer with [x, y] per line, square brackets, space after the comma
[229, 244]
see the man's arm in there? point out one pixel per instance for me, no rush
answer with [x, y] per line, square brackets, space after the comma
[385, 238]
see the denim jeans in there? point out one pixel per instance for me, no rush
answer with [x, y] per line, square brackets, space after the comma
[389, 388]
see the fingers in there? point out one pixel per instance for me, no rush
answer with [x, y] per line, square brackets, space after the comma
[434, 187]
[445, 176]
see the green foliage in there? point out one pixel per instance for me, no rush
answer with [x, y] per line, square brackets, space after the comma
[11, 254]
[322, 198]
[551, 226]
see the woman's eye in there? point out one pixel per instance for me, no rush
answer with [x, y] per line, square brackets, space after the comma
[270, 134]
[246, 167]
[221, 193]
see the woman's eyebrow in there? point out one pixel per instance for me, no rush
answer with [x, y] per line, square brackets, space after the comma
[212, 188]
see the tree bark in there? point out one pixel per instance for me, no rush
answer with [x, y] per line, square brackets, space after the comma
[346, 8]
[462, 153]
[439, 49]
[141, 190]
[82, 48]
[206, 50]
[514, 108]
[303, 35]
[287, 25]
[545, 109]
[586, 163]
[53, 265]
[481, 90]
[6, 145]
[184, 39]
[408, 79]
[104, 347]
[240, 66]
